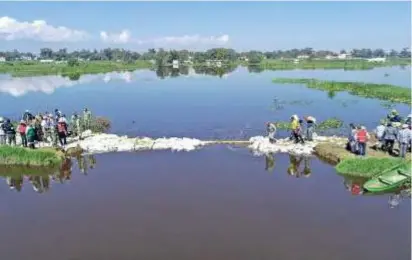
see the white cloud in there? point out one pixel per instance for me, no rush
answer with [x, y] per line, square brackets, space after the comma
[11, 29]
[193, 39]
[123, 37]
[126, 37]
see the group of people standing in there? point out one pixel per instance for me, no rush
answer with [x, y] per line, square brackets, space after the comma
[390, 131]
[45, 127]
[297, 129]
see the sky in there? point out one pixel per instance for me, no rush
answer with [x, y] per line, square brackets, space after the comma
[29, 26]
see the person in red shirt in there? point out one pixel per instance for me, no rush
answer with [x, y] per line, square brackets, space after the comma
[362, 138]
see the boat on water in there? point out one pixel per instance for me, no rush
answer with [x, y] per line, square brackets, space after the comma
[389, 179]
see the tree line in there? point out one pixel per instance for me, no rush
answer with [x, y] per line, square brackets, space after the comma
[162, 56]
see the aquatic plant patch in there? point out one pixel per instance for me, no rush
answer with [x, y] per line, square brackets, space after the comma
[383, 92]
[13, 155]
[330, 123]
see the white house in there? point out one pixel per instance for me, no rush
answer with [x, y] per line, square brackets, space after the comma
[343, 56]
[2, 59]
[175, 63]
[46, 61]
[377, 60]
[303, 57]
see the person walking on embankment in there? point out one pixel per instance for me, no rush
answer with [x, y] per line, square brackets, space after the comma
[22, 131]
[310, 127]
[404, 138]
[271, 130]
[390, 135]
[362, 138]
[296, 129]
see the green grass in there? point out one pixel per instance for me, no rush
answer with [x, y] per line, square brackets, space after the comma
[355, 64]
[25, 69]
[368, 167]
[383, 92]
[13, 155]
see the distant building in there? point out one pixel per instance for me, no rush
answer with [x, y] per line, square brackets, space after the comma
[217, 63]
[377, 60]
[301, 57]
[2, 59]
[175, 63]
[46, 61]
[344, 56]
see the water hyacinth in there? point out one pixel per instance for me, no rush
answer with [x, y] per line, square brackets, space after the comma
[383, 92]
[330, 123]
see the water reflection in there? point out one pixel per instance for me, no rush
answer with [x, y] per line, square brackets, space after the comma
[299, 166]
[41, 179]
[295, 168]
[48, 84]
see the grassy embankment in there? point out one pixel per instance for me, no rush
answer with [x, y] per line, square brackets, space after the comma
[25, 69]
[383, 92]
[46, 156]
[368, 167]
[26, 157]
[354, 64]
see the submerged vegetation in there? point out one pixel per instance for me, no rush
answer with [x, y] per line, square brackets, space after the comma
[12, 155]
[368, 167]
[384, 92]
[330, 123]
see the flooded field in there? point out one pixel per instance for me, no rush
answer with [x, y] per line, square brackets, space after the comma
[216, 203]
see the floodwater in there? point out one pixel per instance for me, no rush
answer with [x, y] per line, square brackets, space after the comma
[214, 203]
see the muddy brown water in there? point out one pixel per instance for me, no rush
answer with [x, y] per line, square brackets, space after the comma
[214, 203]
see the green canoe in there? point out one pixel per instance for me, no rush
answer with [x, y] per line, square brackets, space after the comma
[388, 180]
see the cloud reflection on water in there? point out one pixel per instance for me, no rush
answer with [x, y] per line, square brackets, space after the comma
[18, 87]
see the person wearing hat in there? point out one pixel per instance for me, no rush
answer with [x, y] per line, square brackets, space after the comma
[27, 116]
[2, 132]
[22, 131]
[394, 117]
[271, 130]
[404, 138]
[310, 127]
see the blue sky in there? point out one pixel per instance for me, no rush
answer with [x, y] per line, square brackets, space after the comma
[191, 25]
